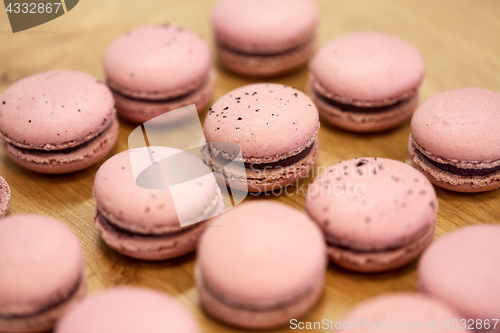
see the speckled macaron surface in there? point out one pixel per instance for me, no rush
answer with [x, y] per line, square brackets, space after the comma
[403, 312]
[128, 310]
[461, 269]
[268, 121]
[264, 26]
[275, 265]
[55, 110]
[367, 69]
[275, 127]
[59, 121]
[157, 62]
[372, 205]
[42, 270]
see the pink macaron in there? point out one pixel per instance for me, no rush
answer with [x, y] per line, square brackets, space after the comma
[4, 197]
[377, 214]
[263, 38]
[156, 69]
[400, 312]
[41, 272]
[366, 82]
[153, 223]
[462, 269]
[276, 129]
[128, 310]
[262, 264]
[454, 139]
[58, 121]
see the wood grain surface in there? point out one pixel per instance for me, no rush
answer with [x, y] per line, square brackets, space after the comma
[459, 40]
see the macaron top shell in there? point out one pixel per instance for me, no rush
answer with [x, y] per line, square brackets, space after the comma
[462, 269]
[146, 210]
[261, 252]
[460, 124]
[368, 69]
[260, 26]
[160, 61]
[40, 259]
[127, 310]
[55, 110]
[372, 203]
[400, 309]
[264, 119]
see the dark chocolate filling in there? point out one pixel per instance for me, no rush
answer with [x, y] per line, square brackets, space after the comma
[350, 249]
[257, 308]
[263, 55]
[130, 234]
[50, 306]
[459, 171]
[30, 151]
[159, 101]
[359, 109]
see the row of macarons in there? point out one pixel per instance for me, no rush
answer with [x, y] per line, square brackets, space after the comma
[63, 121]
[273, 274]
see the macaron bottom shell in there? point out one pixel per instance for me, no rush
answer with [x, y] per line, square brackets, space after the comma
[264, 65]
[381, 261]
[448, 180]
[251, 316]
[268, 179]
[150, 246]
[44, 319]
[367, 121]
[66, 160]
[142, 110]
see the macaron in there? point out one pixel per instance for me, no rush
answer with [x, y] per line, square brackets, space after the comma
[262, 264]
[155, 69]
[154, 223]
[58, 121]
[41, 275]
[128, 310]
[275, 127]
[366, 81]
[4, 197]
[461, 269]
[377, 214]
[403, 312]
[454, 139]
[263, 38]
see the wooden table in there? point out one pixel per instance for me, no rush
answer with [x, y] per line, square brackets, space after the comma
[459, 40]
